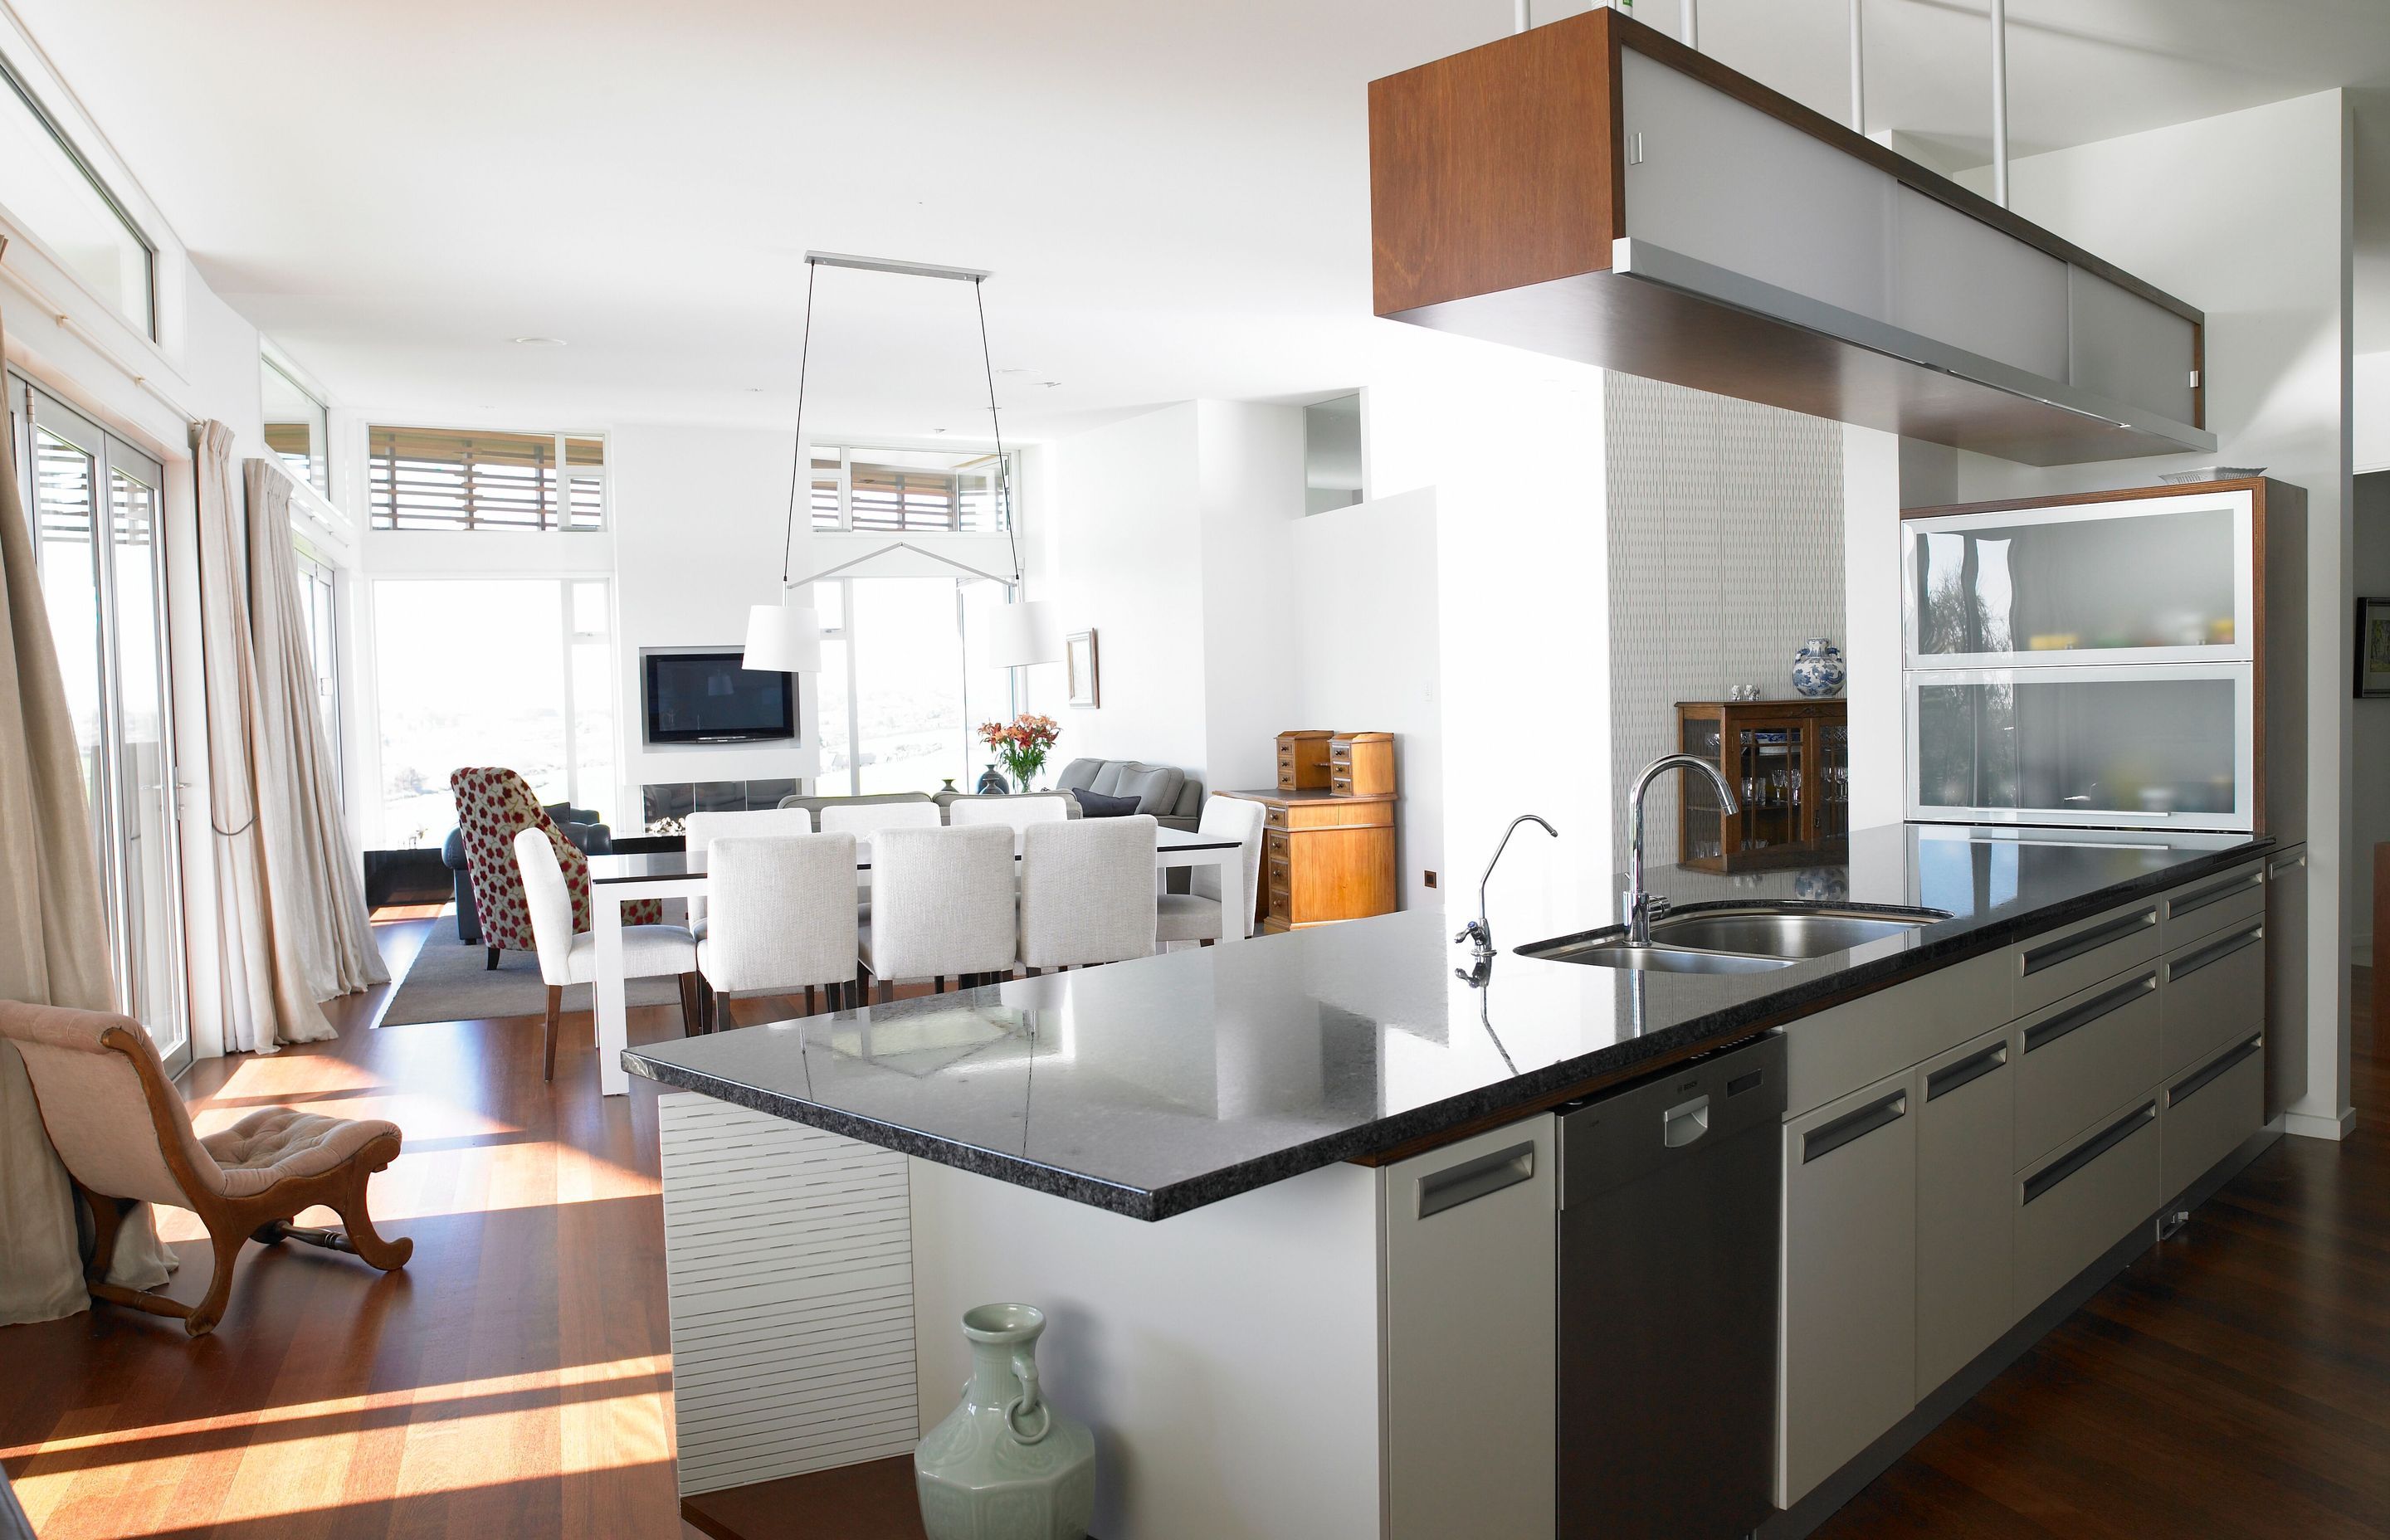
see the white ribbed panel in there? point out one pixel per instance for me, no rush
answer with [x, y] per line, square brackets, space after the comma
[788, 1253]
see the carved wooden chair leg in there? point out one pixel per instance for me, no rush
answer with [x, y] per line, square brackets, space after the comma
[554, 1009]
[349, 1204]
[209, 1310]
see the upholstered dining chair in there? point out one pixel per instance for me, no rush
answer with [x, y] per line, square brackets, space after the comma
[570, 958]
[782, 916]
[493, 806]
[124, 1137]
[864, 819]
[1195, 914]
[942, 907]
[1015, 813]
[1086, 892]
[703, 828]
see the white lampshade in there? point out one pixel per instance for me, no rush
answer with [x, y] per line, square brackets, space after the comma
[783, 638]
[1023, 632]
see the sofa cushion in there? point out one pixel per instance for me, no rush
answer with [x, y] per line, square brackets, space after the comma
[1107, 777]
[1078, 775]
[1095, 805]
[1155, 786]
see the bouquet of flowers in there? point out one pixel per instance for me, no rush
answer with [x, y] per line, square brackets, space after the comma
[1021, 743]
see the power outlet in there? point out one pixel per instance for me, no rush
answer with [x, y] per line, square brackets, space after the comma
[1431, 879]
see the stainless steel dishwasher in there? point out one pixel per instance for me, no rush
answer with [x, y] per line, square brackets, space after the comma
[1667, 1300]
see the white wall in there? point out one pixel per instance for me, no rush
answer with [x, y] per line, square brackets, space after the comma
[2249, 216]
[1872, 504]
[2369, 399]
[1250, 494]
[1368, 656]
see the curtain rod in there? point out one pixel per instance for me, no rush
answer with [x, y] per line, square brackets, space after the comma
[69, 324]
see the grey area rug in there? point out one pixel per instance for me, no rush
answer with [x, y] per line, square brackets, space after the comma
[452, 981]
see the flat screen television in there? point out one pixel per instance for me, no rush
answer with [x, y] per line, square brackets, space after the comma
[707, 698]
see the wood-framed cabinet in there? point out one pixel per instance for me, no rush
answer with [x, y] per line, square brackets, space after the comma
[1789, 763]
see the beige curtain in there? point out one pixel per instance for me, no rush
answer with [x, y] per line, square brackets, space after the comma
[52, 938]
[289, 893]
[314, 877]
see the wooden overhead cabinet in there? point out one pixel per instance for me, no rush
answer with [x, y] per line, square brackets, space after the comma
[1595, 190]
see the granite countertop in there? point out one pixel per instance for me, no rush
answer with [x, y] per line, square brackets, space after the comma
[1156, 1087]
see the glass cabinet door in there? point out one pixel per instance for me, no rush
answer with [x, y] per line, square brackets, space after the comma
[2165, 747]
[2162, 579]
[1701, 828]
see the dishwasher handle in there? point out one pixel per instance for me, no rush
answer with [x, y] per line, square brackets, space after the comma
[1473, 1179]
[1686, 1121]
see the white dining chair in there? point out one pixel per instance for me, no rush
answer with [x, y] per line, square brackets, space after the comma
[864, 819]
[703, 828]
[570, 958]
[941, 905]
[1195, 914]
[1086, 892]
[783, 916]
[1017, 813]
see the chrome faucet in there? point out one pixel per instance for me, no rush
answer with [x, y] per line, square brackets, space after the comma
[1641, 906]
[1477, 931]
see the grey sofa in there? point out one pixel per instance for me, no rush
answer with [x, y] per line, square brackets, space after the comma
[1174, 797]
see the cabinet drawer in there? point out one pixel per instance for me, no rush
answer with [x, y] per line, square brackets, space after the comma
[1274, 815]
[2083, 1056]
[2214, 994]
[2208, 1112]
[2084, 1199]
[1275, 843]
[2051, 967]
[2219, 904]
[1966, 1220]
[1829, 1054]
[1847, 1338]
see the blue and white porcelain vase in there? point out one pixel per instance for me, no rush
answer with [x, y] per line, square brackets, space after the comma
[1005, 1465]
[1818, 668]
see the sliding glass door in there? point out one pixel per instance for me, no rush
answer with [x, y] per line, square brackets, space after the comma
[95, 505]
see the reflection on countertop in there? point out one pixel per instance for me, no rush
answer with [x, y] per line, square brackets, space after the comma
[1159, 1085]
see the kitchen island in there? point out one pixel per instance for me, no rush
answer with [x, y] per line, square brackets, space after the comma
[1198, 1162]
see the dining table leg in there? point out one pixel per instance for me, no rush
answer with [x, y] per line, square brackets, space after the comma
[614, 1013]
[1236, 905]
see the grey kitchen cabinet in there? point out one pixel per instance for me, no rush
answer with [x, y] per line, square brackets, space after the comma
[2206, 1114]
[1847, 1320]
[2079, 1201]
[1966, 1173]
[2049, 968]
[2203, 909]
[1468, 1344]
[2213, 993]
[2082, 1055]
[2286, 979]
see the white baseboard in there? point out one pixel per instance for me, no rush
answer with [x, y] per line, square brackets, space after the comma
[2306, 1125]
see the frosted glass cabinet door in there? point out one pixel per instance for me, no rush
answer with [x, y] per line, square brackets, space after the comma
[2162, 746]
[2163, 580]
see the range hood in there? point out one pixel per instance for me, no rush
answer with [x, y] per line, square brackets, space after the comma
[1595, 190]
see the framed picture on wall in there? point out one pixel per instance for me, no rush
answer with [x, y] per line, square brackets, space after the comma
[1079, 659]
[2373, 648]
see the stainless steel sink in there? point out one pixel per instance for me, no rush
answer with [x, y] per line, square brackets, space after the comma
[1768, 931]
[1735, 938]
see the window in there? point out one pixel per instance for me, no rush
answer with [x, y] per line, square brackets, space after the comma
[898, 700]
[513, 672]
[47, 185]
[317, 594]
[296, 426]
[428, 478]
[898, 491]
[1331, 453]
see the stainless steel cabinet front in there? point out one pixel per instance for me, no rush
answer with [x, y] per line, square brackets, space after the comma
[1966, 1244]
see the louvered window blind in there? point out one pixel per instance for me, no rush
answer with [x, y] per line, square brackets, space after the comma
[900, 498]
[427, 479]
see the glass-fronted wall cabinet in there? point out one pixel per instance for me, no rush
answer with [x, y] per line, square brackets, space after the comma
[1789, 763]
[2164, 579]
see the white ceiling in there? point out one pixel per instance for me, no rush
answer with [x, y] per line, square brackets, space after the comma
[1173, 199]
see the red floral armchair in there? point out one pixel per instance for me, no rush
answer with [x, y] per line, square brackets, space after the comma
[493, 805]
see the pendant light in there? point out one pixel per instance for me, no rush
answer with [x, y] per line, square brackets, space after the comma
[786, 638]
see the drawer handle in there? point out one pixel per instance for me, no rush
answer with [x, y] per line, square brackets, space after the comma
[1470, 1180]
[2091, 1149]
[1881, 1113]
[2046, 1032]
[2087, 941]
[2183, 1091]
[2216, 894]
[2183, 967]
[1944, 1081]
[2288, 862]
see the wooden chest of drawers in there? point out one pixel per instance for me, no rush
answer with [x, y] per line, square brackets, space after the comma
[1324, 858]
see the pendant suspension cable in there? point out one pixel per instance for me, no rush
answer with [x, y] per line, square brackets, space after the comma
[799, 473]
[1003, 468]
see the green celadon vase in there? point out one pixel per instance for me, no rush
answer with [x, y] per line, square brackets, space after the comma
[1005, 1465]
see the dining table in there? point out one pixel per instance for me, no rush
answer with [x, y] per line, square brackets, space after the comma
[615, 880]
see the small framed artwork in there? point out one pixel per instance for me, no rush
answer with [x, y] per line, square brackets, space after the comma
[1079, 659]
[2373, 648]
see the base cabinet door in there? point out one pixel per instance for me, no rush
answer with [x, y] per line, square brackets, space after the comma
[2286, 979]
[1966, 1125]
[2205, 1114]
[1847, 1342]
[2078, 1202]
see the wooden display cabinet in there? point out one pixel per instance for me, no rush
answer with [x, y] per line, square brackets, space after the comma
[1789, 763]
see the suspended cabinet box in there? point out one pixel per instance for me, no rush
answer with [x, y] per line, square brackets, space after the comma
[1596, 190]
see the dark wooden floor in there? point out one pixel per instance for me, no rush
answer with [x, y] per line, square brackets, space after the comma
[2235, 1382]
[515, 1380]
